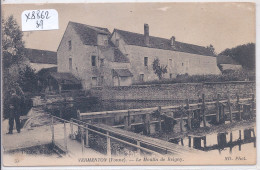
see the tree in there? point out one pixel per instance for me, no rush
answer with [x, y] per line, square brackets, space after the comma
[14, 59]
[211, 49]
[12, 43]
[158, 69]
[28, 79]
[243, 54]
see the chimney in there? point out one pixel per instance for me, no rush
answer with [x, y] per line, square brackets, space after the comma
[172, 41]
[146, 34]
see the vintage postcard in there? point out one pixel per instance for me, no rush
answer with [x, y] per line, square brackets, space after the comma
[128, 84]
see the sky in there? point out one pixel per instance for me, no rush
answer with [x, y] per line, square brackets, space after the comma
[224, 25]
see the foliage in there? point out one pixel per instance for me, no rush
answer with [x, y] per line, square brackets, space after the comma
[12, 43]
[14, 62]
[211, 49]
[239, 75]
[42, 77]
[158, 69]
[243, 54]
[28, 79]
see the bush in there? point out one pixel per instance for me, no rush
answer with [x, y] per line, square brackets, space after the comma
[239, 75]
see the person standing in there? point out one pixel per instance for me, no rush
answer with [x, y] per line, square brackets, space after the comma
[14, 112]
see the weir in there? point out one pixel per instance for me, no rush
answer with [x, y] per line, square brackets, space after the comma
[156, 119]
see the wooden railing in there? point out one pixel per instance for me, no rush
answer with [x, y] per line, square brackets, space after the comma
[85, 128]
[158, 146]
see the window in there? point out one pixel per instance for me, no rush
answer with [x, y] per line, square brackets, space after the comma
[102, 62]
[141, 77]
[117, 43]
[170, 62]
[93, 60]
[94, 81]
[69, 44]
[105, 42]
[145, 61]
[70, 64]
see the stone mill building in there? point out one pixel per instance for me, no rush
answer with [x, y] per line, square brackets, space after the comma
[99, 58]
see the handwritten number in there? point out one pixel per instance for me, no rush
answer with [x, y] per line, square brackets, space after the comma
[33, 15]
[47, 14]
[42, 15]
[39, 16]
[39, 24]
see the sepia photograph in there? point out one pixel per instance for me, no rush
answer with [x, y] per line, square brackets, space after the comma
[134, 83]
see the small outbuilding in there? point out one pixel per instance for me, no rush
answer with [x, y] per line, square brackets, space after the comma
[122, 77]
[63, 82]
[227, 63]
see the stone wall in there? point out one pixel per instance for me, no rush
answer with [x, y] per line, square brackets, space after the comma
[178, 91]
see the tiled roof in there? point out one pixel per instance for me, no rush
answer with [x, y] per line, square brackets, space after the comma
[120, 57]
[222, 59]
[65, 78]
[122, 73]
[45, 72]
[87, 33]
[162, 43]
[41, 56]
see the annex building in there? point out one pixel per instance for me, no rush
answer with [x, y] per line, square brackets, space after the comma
[97, 57]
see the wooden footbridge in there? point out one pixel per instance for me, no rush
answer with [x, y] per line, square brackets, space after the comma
[78, 132]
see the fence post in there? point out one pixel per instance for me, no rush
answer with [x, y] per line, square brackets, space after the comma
[188, 111]
[108, 145]
[218, 110]
[126, 122]
[138, 149]
[181, 120]
[231, 140]
[222, 113]
[71, 128]
[86, 133]
[65, 137]
[229, 108]
[148, 122]
[159, 119]
[78, 114]
[239, 144]
[52, 129]
[205, 141]
[82, 139]
[129, 120]
[238, 107]
[253, 105]
[203, 110]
